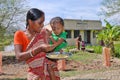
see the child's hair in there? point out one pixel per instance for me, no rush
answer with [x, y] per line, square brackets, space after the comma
[57, 20]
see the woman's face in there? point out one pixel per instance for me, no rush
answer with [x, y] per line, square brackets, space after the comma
[38, 24]
[57, 28]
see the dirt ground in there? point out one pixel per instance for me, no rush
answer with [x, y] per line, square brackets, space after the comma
[101, 73]
[15, 70]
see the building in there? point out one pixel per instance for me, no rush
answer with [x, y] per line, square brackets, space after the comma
[86, 28]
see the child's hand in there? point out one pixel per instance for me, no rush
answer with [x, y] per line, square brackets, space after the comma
[50, 37]
[49, 32]
[61, 51]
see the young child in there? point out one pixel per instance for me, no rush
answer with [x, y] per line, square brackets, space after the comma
[58, 35]
[83, 46]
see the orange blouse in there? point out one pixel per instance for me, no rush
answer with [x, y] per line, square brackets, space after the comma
[21, 39]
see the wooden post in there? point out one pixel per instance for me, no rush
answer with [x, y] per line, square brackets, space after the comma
[0, 62]
[61, 64]
[106, 56]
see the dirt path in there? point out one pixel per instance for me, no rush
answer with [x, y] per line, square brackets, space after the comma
[18, 71]
[107, 75]
[14, 71]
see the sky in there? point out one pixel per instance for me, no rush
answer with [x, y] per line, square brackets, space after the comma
[68, 9]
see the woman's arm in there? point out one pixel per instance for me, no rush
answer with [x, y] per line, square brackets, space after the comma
[23, 56]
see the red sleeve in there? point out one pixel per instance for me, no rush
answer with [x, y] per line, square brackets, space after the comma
[18, 37]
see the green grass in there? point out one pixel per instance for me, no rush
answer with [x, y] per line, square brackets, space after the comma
[117, 49]
[116, 42]
[83, 57]
[97, 49]
[1, 48]
[64, 74]
[6, 40]
[67, 49]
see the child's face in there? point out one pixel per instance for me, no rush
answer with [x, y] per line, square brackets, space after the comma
[57, 28]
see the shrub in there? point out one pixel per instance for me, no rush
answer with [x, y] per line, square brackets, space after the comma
[117, 50]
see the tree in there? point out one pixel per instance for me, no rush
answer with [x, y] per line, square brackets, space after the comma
[111, 9]
[109, 35]
[12, 13]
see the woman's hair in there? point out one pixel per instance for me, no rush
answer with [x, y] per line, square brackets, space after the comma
[57, 20]
[33, 14]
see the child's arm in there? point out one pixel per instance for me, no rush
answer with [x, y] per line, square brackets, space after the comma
[59, 41]
[53, 41]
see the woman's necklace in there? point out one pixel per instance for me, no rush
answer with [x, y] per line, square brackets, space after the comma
[29, 34]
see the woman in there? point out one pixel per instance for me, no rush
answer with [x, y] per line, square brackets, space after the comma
[31, 45]
[78, 41]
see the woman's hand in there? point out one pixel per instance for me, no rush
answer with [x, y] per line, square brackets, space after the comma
[47, 47]
[44, 47]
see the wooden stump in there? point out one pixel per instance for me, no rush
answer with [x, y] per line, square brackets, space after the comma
[61, 64]
[0, 62]
[106, 56]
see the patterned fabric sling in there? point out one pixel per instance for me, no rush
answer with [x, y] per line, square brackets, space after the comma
[38, 65]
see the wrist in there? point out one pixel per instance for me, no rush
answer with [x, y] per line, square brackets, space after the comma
[55, 44]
